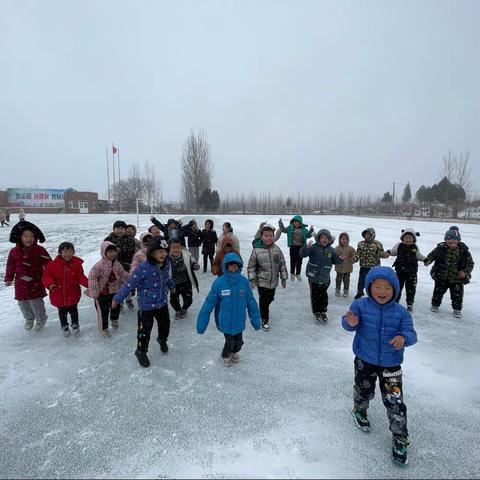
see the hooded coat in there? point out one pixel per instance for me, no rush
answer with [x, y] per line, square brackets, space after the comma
[449, 262]
[348, 252]
[100, 273]
[291, 229]
[369, 252]
[231, 296]
[209, 239]
[266, 265]
[378, 324]
[67, 278]
[321, 259]
[141, 254]
[220, 255]
[408, 255]
[178, 233]
[126, 245]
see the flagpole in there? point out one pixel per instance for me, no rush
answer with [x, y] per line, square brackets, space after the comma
[118, 163]
[113, 162]
[108, 179]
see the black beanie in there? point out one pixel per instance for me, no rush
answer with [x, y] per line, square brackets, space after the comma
[119, 224]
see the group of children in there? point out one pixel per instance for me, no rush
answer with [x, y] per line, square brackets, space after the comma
[158, 265]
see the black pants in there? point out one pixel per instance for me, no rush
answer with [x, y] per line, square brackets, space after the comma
[106, 310]
[409, 281]
[456, 293]
[295, 260]
[183, 290]
[233, 344]
[361, 279]
[4, 223]
[63, 315]
[390, 381]
[146, 319]
[265, 298]
[207, 256]
[318, 297]
[342, 277]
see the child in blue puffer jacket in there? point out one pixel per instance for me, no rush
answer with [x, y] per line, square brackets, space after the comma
[322, 256]
[383, 329]
[230, 297]
[153, 279]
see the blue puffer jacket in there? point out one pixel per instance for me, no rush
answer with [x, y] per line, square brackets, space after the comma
[153, 285]
[380, 323]
[321, 259]
[230, 296]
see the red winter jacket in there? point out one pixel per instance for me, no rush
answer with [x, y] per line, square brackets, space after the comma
[67, 276]
[25, 266]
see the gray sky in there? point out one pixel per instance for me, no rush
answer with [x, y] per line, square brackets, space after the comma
[294, 96]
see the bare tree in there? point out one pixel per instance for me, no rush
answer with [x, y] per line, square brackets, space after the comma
[197, 169]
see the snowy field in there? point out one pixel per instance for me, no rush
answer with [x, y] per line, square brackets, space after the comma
[83, 407]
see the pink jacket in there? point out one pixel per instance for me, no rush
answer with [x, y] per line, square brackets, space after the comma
[140, 255]
[100, 273]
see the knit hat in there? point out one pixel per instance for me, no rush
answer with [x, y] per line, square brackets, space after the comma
[267, 226]
[119, 224]
[410, 231]
[452, 234]
[20, 227]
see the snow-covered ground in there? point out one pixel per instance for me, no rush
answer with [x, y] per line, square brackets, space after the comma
[83, 407]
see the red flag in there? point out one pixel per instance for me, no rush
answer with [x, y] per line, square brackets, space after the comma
[115, 149]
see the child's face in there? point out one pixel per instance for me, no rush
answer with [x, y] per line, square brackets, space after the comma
[323, 240]
[267, 237]
[343, 241]
[367, 236]
[160, 255]
[233, 267]
[207, 225]
[111, 254]
[451, 243]
[172, 226]
[175, 249]
[296, 224]
[146, 240]
[225, 229]
[120, 231]
[155, 231]
[381, 290]
[27, 238]
[131, 232]
[67, 254]
[408, 239]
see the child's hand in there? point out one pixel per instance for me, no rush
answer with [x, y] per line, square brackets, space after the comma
[398, 342]
[253, 284]
[352, 319]
[342, 257]
[284, 284]
[114, 304]
[311, 229]
[7, 284]
[461, 274]
[310, 243]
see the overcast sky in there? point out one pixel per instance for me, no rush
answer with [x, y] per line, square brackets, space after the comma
[299, 96]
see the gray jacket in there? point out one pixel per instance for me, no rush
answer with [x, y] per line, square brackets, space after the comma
[266, 265]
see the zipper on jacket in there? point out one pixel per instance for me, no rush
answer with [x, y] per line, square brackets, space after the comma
[381, 335]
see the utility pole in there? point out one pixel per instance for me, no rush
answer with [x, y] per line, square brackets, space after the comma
[393, 194]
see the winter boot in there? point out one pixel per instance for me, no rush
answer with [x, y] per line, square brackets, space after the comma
[226, 361]
[163, 345]
[106, 333]
[400, 450]
[292, 277]
[39, 325]
[345, 293]
[361, 420]
[457, 313]
[337, 292]
[142, 358]
[265, 325]
[28, 324]
[410, 308]
[183, 313]
[130, 304]
[115, 324]
[76, 329]
[434, 308]
[66, 331]
[321, 317]
[235, 357]
[178, 315]
[299, 278]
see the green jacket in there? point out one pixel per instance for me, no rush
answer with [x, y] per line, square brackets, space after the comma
[448, 262]
[290, 229]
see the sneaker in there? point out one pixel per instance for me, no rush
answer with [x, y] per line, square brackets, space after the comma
[361, 420]
[299, 278]
[106, 333]
[235, 357]
[321, 317]
[66, 332]
[39, 325]
[434, 309]
[226, 361]
[358, 295]
[28, 324]
[337, 293]
[292, 277]
[76, 329]
[345, 293]
[130, 304]
[115, 324]
[457, 313]
[183, 313]
[142, 358]
[410, 308]
[178, 315]
[400, 450]
[265, 326]
[163, 346]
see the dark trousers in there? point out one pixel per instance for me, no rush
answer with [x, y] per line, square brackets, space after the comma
[342, 277]
[295, 260]
[390, 381]
[63, 315]
[361, 279]
[183, 290]
[456, 293]
[104, 303]
[265, 298]
[233, 344]
[318, 296]
[207, 256]
[146, 319]
[409, 281]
